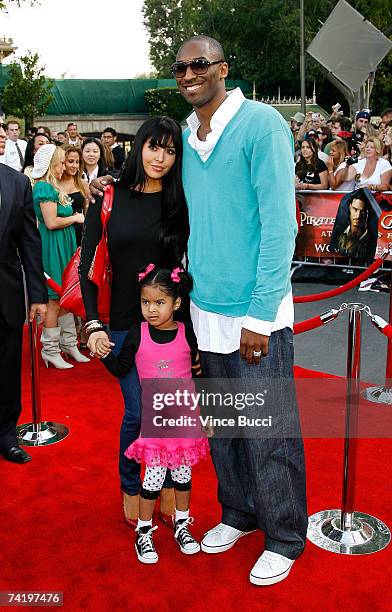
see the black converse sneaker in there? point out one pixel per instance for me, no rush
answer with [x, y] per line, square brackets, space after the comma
[144, 544]
[184, 538]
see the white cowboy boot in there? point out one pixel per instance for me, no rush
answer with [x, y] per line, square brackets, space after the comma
[50, 353]
[69, 338]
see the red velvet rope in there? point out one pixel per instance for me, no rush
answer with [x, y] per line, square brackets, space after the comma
[53, 285]
[305, 326]
[387, 331]
[298, 327]
[300, 299]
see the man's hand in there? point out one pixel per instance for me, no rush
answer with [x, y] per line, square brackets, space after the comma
[196, 368]
[101, 348]
[98, 186]
[252, 342]
[208, 430]
[38, 310]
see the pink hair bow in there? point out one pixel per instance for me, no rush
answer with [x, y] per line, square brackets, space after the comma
[149, 269]
[174, 275]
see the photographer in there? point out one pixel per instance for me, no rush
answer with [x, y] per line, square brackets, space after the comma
[372, 171]
[312, 121]
[362, 119]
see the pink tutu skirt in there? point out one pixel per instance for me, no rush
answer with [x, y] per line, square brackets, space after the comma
[168, 452]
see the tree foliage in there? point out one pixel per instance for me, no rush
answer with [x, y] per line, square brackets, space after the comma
[167, 101]
[4, 4]
[27, 93]
[261, 39]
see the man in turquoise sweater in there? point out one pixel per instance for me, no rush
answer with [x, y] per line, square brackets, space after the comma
[238, 175]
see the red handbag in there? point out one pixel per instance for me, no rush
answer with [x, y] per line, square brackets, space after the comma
[100, 271]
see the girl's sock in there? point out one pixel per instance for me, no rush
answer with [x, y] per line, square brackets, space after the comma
[181, 514]
[141, 523]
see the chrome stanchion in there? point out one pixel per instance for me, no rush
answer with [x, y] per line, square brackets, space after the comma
[346, 531]
[38, 433]
[383, 395]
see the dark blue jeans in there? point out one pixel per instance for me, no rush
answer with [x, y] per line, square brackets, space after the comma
[129, 469]
[261, 481]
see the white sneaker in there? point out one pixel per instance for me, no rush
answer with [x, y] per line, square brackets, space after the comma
[221, 538]
[270, 568]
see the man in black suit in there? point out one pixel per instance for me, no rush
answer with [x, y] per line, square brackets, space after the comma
[109, 138]
[20, 243]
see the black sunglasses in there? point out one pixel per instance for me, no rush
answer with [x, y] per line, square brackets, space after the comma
[198, 66]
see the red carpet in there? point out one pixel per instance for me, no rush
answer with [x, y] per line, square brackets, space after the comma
[62, 526]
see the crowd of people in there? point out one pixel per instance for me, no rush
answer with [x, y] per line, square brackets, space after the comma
[181, 196]
[60, 166]
[343, 154]
[98, 155]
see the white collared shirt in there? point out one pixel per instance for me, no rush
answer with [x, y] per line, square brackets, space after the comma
[92, 176]
[219, 333]
[10, 156]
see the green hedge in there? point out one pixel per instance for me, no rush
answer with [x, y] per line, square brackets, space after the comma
[167, 101]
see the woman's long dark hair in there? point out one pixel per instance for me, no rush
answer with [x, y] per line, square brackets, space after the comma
[162, 131]
[302, 167]
[29, 154]
[102, 169]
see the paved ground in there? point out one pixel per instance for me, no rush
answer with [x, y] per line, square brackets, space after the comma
[325, 348]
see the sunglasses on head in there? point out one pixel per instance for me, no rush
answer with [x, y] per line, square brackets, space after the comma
[198, 66]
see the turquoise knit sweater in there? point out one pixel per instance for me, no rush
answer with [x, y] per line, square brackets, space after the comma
[242, 215]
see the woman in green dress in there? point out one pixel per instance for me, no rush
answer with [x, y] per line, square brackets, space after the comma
[55, 223]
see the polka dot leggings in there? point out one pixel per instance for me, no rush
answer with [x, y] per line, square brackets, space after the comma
[155, 476]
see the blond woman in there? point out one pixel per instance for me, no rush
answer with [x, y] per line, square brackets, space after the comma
[55, 223]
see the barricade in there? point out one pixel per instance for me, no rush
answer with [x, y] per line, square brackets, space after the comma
[316, 220]
[345, 530]
[317, 213]
[38, 432]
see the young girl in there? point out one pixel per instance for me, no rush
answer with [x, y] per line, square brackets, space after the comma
[159, 340]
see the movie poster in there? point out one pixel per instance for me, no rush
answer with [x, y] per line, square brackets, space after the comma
[330, 225]
[355, 229]
[316, 221]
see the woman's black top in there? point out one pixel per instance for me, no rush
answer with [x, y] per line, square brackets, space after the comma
[312, 176]
[134, 241]
[77, 206]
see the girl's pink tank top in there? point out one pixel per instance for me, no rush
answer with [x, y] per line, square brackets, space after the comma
[169, 360]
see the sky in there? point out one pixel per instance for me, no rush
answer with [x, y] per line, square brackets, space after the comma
[108, 37]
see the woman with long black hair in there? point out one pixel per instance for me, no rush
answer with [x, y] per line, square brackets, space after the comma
[37, 141]
[310, 171]
[148, 223]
